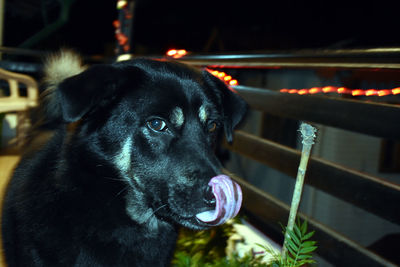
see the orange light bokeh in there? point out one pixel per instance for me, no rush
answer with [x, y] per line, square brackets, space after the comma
[314, 90]
[176, 53]
[224, 77]
[227, 78]
[357, 92]
[343, 90]
[384, 92]
[233, 82]
[396, 91]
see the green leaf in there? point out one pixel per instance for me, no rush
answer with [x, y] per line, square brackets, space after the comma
[309, 243]
[304, 257]
[303, 227]
[294, 237]
[293, 245]
[297, 230]
[309, 235]
[292, 249]
[307, 250]
[301, 263]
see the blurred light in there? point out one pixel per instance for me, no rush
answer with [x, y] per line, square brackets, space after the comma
[122, 4]
[175, 53]
[124, 57]
[227, 78]
[384, 92]
[303, 92]
[224, 77]
[116, 23]
[328, 89]
[171, 52]
[314, 90]
[343, 90]
[357, 92]
[121, 38]
[233, 82]
[371, 92]
[182, 52]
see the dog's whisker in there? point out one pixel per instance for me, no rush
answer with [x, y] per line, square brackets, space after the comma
[114, 178]
[154, 212]
[162, 206]
[123, 190]
[117, 194]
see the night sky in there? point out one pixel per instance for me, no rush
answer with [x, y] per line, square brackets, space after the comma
[212, 26]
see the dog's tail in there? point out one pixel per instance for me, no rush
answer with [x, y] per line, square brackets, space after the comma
[60, 66]
[57, 68]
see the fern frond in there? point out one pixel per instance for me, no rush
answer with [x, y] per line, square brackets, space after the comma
[299, 247]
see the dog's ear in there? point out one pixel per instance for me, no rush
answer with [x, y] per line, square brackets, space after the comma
[93, 88]
[233, 106]
[78, 94]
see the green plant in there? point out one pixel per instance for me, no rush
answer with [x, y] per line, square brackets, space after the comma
[207, 248]
[299, 247]
[199, 248]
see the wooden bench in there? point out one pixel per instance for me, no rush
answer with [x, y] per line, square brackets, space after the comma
[17, 103]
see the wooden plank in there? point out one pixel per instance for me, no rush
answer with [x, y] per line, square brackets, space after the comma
[360, 116]
[379, 58]
[7, 165]
[309, 64]
[370, 193]
[332, 246]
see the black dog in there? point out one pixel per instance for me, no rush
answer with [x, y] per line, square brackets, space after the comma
[139, 162]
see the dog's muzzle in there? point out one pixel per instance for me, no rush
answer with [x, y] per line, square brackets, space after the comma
[228, 200]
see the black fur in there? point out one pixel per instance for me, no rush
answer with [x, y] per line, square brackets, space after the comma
[81, 201]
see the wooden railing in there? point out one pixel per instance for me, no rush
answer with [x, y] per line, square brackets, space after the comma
[374, 194]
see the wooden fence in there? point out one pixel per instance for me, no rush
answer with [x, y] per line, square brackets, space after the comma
[373, 194]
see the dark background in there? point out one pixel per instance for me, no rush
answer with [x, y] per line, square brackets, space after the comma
[208, 26]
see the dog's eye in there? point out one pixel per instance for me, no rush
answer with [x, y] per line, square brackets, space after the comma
[212, 127]
[157, 125]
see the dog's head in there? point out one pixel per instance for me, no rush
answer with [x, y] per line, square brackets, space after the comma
[158, 124]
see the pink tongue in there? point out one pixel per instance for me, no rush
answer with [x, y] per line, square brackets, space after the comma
[228, 199]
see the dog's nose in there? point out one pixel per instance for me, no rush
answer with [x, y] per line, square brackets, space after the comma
[209, 197]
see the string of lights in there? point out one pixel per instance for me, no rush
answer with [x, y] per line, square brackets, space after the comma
[343, 90]
[224, 77]
[178, 53]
